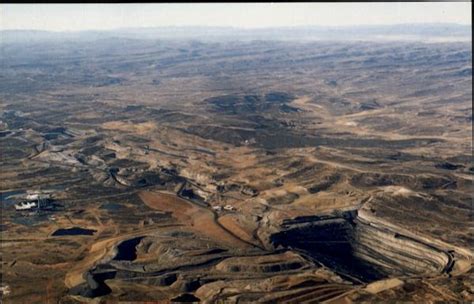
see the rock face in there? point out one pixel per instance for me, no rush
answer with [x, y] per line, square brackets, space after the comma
[352, 244]
[330, 240]
[398, 254]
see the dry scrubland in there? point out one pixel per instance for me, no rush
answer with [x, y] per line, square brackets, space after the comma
[347, 166]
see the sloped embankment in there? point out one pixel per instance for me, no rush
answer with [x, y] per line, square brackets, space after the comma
[397, 253]
[358, 245]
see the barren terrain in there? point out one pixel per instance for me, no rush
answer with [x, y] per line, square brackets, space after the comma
[237, 171]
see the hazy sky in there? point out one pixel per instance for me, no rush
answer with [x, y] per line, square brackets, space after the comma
[60, 17]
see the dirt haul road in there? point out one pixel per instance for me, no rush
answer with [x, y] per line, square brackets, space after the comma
[199, 219]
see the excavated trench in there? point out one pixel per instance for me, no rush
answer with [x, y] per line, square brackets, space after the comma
[359, 249]
[354, 244]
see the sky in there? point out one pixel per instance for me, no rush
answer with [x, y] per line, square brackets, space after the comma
[76, 17]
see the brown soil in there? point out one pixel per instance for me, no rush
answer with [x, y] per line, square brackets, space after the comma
[200, 219]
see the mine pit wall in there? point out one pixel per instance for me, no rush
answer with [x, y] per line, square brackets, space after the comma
[397, 254]
[329, 240]
[354, 244]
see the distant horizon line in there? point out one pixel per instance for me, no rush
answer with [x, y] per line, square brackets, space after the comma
[240, 27]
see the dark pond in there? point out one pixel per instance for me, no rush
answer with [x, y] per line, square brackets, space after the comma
[74, 231]
[126, 251]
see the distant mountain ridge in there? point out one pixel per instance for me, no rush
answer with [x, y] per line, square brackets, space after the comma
[437, 31]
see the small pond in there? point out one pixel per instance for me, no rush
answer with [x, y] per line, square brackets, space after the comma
[126, 251]
[74, 231]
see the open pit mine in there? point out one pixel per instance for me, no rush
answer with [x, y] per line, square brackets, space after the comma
[136, 169]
